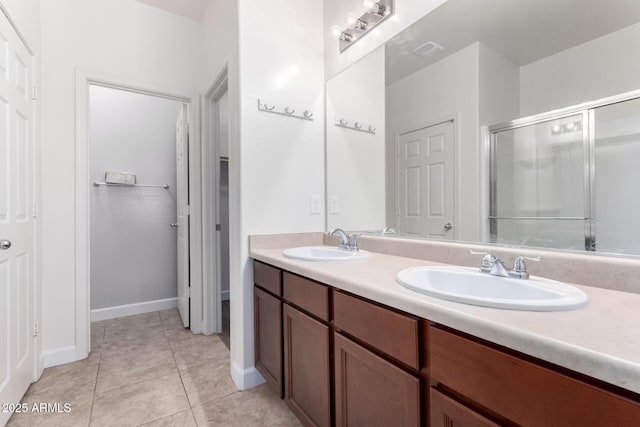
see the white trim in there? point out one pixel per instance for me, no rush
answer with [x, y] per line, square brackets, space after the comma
[212, 296]
[132, 309]
[225, 294]
[84, 79]
[245, 379]
[60, 356]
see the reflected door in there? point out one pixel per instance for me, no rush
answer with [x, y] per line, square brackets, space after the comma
[17, 223]
[182, 194]
[425, 180]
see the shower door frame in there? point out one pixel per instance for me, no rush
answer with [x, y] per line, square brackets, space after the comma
[587, 110]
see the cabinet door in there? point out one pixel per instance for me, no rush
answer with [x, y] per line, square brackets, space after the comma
[446, 412]
[307, 367]
[371, 391]
[268, 337]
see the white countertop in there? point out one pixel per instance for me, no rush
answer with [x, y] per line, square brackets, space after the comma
[601, 340]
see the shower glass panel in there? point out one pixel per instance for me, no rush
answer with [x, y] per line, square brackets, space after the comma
[539, 184]
[617, 172]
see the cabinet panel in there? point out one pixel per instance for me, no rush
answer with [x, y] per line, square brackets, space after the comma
[446, 412]
[521, 391]
[392, 333]
[267, 277]
[307, 367]
[369, 391]
[268, 337]
[307, 294]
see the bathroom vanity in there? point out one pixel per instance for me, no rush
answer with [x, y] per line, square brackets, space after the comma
[344, 344]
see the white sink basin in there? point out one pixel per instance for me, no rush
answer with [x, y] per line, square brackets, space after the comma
[323, 253]
[469, 286]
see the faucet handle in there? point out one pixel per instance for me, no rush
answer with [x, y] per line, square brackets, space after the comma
[353, 241]
[472, 252]
[488, 260]
[520, 267]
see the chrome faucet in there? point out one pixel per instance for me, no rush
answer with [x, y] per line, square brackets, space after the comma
[348, 242]
[494, 266]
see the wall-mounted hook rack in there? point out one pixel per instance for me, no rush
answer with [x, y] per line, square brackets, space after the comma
[287, 111]
[358, 126]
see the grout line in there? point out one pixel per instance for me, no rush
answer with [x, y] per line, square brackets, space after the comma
[95, 386]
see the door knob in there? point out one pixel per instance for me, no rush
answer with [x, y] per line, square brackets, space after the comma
[173, 224]
[448, 226]
[5, 244]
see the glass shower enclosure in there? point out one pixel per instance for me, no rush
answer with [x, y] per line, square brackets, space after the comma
[569, 178]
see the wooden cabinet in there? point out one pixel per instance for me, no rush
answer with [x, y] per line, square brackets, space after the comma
[369, 391]
[446, 412]
[307, 373]
[338, 359]
[522, 391]
[268, 337]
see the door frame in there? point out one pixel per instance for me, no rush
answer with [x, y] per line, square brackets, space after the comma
[83, 80]
[212, 286]
[393, 166]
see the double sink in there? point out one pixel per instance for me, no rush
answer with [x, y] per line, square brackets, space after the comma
[466, 285]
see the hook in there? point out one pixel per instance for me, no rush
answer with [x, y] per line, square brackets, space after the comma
[307, 114]
[358, 126]
[343, 122]
[371, 129]
[289, 111]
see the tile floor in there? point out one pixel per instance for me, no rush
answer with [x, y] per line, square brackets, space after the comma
[148, 370]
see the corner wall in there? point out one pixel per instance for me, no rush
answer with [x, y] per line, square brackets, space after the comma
[281, 158]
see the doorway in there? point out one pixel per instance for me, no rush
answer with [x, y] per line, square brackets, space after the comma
[216, 205]
[135, 220]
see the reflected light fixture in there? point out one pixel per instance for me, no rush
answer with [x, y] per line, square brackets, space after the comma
[376, 12]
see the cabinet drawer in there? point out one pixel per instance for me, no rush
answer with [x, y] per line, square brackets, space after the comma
[267, 277]
[390, 332]
[369, 391]
[446, 412]
[521, 391]
[307, 294]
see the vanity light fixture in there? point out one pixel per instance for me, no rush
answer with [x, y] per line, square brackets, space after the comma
[566, 127]
[377, 12]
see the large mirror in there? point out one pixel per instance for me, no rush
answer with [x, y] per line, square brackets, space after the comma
[497, 121]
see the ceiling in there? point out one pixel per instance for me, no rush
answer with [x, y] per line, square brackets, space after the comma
[521, 30]
[193, 9]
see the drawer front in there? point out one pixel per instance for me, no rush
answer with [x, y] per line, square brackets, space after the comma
[521, 391]
[446, 412]
[267, 277]
[306, 294]
[369, 391]
[390, 332]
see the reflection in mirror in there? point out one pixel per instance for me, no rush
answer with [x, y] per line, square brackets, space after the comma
[452, 158]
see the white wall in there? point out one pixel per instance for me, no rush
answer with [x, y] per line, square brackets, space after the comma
[603, 67]
[133, 133]
[335, 13]
[499, 87]
[447, 89]
[117, 37]
[281, 158]
[356, 160]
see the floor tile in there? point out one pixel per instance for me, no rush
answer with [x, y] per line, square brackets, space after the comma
[140, 403]
[78, 415]
[72, 381]
[258, 406]
[181, 419]
[122, 369]
[129, 344]
[137, 321]
[197, 349]
[208, 381]
[170, 316]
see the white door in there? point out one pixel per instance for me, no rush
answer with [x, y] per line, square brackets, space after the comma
[425, 182]
[182, 195]
[17, 190]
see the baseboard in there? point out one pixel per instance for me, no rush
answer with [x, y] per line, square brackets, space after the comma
[225, 295]
[59, 356]
[245, 378]
[132, 309]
